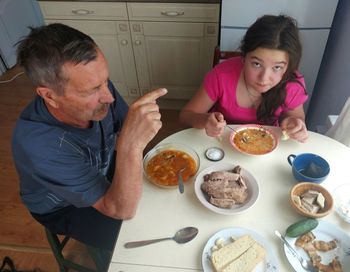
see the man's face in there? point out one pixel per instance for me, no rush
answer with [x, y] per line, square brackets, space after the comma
[86, 95]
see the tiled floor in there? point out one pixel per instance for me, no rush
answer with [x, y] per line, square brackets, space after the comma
[21, 237]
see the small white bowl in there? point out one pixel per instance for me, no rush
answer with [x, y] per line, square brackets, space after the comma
[341, 197]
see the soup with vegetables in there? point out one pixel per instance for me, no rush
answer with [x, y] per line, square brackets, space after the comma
[162, 169]
[254, 141]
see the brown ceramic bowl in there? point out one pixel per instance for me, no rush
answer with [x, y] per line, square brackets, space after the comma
[303, 187]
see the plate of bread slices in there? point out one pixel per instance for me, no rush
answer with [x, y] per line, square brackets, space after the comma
[238, 249]
[327, 246]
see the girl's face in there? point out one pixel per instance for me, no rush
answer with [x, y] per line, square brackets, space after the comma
[264, 68]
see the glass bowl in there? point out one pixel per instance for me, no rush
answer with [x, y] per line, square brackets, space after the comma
[341, 197]
[162, 164]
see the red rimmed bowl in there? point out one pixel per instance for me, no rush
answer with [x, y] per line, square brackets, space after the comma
[253, 139]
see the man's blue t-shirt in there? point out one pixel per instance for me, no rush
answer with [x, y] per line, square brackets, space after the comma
[61, 165]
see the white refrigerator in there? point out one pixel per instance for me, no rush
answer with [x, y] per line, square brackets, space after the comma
[314, 19]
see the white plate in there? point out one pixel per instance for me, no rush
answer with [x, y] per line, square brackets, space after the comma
[269, 264]
[252, 185]
[326, 232]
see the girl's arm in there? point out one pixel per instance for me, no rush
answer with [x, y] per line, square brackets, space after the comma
[195, 114]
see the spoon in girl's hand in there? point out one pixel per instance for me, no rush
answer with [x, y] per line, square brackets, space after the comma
[181, 236]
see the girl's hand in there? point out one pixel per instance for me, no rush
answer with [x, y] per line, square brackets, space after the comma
[215, 124]
[295, 128]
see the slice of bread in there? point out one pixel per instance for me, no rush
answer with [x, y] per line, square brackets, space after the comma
[248, 260]
[223, 256]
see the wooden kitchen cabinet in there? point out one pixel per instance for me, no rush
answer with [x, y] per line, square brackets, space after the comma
[147, 45]
[108, 25]
[173, 45]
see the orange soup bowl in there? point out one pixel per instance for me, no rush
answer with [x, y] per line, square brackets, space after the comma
[253, 139]
[162, 164]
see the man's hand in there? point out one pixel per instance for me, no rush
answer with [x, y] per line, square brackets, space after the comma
[143, 120]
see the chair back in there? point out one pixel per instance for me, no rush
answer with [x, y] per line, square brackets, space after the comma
[220, 56]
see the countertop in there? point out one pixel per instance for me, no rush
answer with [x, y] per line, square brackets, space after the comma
[147, 1]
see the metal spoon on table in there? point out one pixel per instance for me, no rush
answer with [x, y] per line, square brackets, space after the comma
[180, 180]
[306, 264]
[181, 236]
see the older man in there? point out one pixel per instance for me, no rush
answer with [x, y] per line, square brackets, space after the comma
[77, 147]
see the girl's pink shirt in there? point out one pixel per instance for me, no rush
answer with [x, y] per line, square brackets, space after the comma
[221, 84]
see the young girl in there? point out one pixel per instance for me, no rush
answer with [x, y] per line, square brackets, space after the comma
[262, 86]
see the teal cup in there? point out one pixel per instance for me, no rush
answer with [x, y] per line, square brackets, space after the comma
[308, 167]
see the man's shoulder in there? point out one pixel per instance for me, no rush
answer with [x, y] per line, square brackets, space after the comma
[34, 132]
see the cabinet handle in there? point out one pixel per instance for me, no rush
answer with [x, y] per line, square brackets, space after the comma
[82, 11]
[124, 42]
[137, 42]
[172, 13]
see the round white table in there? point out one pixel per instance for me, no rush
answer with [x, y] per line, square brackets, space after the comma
[162, 212]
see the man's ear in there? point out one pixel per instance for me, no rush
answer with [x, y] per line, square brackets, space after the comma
[48, 95]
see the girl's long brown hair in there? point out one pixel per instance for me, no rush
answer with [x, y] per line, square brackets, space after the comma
[281, 33]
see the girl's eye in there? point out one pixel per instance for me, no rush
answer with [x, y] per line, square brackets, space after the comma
[256, 64]
[278, 68]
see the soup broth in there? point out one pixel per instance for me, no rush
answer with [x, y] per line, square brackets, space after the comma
[162, 169]
[254, 141]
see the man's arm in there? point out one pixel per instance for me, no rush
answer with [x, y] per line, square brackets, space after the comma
[141, 124]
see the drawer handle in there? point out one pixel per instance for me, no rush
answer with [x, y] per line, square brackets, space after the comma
[172, 13]
[82, 11]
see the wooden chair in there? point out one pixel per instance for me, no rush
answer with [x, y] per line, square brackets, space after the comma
[100, 257]
[220, 56]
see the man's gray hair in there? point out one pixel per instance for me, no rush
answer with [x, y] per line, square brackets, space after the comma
[47, 48]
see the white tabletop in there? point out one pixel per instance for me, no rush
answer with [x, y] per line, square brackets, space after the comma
[162, 212]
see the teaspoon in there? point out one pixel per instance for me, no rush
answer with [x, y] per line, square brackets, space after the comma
[181, 236]
[180, 180]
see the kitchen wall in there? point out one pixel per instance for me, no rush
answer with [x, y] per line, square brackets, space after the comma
[332, 87]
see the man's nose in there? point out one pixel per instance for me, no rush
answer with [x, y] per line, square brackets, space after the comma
[106, 96]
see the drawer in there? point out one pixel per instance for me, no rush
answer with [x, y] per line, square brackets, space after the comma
[95, 27]
[84, 10]
[173, 12]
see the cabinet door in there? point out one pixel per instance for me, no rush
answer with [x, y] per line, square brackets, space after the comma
[173, 55]
[113, 38]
